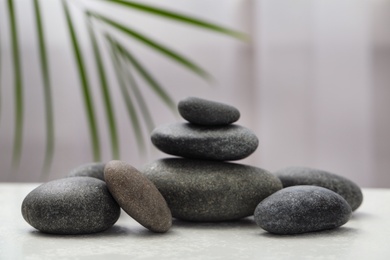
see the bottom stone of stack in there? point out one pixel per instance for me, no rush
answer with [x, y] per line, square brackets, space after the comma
[201, 190]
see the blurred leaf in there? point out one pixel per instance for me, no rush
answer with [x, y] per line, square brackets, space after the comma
[49, 152]
[88, 102]
[180, 17]
[153, 44]
[140, 100]
[156, 87]
[18, 88]
[126, 95]
[104, 88]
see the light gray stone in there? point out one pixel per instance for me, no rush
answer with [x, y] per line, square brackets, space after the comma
[223, 143]
[293, 176]
[204, 112]
[138, 196]
[302, 209]
[200, 190]
[78, 205]
[94, 170]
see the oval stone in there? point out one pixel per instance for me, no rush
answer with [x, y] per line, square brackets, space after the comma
[302, 209]
[204, 112]
[293, 176]
[94, 170]
[200, 190]
[223, 143]
[138, 196]
[78, 205]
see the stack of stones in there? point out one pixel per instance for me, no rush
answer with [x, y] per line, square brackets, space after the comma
[201, 185]
[197, 185]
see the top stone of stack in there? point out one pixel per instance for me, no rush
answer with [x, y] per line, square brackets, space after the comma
[208, 113]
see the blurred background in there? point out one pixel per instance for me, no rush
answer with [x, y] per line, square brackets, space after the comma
[313, 82]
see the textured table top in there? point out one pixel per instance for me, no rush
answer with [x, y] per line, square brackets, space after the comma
[365, 236]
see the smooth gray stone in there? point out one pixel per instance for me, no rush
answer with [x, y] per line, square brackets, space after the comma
[200, 190]
[223, 143]
[204, 112]
[78, 205]
[94, 169]
[293, 176]
[301, 209]
[138, 196]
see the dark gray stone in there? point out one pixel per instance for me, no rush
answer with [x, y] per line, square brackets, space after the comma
[302, 209]
[78, 205]
[200, 190]
[293, 176]
[138, 196]
[223, 143]
[204, 112]
[94, 170]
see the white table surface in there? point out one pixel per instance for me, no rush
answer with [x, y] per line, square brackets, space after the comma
[365, 236]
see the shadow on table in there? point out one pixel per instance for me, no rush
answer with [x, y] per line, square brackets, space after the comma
[337, 232]
[361, 215]
[241, 223]
[114, 231]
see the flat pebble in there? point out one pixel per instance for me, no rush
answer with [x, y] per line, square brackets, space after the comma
[94, 170]
[204, 112]
[302, 209]
[223, 143]
[200, 190]
[138, 196]
[293, 176]
[78, 205]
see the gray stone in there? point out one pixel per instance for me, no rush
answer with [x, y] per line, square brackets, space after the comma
[223, 143]
[200, 190]
[78, 205]
[302, 209]
[94, 170]
[138, 196]
[204, 112]
[306, 176]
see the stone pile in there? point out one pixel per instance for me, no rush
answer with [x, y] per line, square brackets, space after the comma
[198, 184]
[201, 185]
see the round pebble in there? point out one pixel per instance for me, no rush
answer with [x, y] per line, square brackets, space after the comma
[293, 176]
[302, 209]
[94, 170]
[200, 190]
[138, 196]
[223, 143]
[204, 112]
[78, 205]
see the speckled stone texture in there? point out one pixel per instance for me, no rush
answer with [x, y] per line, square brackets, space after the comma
[78, 205]
[293, 176]
[204, 112]
[138, 196]
[224, 143]
[94, 170]
[199, 190]
[302, 209]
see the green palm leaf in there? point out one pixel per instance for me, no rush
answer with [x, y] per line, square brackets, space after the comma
[153, 44]
[18, 89]
[153, 83]
[104, 88]
[180, 17]
[140, 100]
[49, 151]
[126, 95]
[90, 111]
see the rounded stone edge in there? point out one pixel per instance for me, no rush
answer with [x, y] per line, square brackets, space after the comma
[26, 216]
[319, 175]
[185, 104]
[152, 186]
[287, 189]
